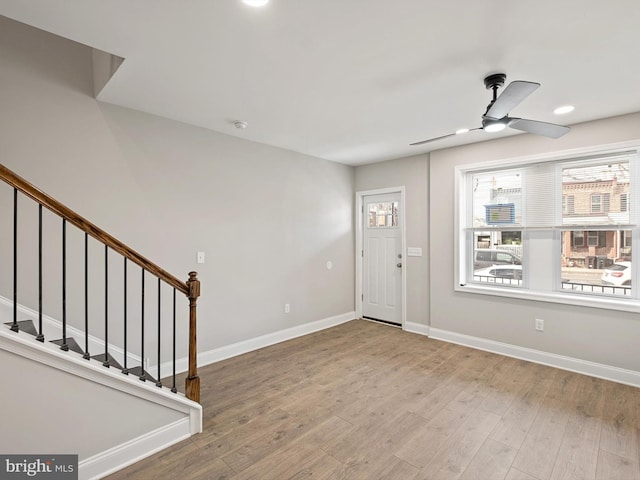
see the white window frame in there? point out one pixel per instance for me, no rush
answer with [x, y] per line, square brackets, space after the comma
[553, 294]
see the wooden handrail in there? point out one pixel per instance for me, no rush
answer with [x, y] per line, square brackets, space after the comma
[190, 288]
[86, 226]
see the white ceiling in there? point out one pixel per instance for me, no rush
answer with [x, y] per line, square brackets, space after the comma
[354, 81]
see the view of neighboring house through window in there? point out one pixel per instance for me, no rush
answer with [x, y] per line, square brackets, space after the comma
[601, 192]
[554, 226]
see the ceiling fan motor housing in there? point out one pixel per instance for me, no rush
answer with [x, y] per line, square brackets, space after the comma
[495, 81]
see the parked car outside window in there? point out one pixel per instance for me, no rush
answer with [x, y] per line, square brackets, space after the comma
[487, 257]
[618, 274]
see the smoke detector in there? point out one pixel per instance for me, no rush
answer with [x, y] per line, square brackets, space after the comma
[240, 124]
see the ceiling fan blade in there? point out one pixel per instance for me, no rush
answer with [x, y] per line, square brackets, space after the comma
[550, 130]
[443, 136]
[510, 97]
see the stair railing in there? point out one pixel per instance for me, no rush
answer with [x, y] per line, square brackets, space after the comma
[190, 288]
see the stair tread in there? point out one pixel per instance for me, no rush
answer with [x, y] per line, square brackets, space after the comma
[137, 371]
[112, 361]
[25, 326]
[71, 343]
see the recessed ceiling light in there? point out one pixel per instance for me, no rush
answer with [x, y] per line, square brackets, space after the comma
[564, 109]
[255, 3]
[462, 130]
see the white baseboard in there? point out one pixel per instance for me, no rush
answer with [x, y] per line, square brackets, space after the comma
[245, 346]
[132, 451]
[417, 328]
[598, 370]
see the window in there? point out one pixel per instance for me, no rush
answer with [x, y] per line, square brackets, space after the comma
[577, 239]
[555, 229]
[596, 239]
[383, 215]
[496, 210]
[568, 204]
[624, 202]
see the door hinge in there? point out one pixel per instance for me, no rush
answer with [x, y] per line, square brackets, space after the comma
[362, 297]
[362, 253]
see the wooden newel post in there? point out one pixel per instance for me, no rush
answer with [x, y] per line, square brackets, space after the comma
[192, 383]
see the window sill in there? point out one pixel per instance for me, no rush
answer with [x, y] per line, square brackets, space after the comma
[581, 300]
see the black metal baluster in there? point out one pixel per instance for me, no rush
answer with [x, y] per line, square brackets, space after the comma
[174, 389]
[142, 372]
[158, 382]
[40, 336]
[64, 345]
[14, 325]
[106, 363]
[87, 355]
[125, 370]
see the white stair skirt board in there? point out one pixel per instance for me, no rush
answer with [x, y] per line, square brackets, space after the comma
[245, 346]
[52, 330]
[585, 367]
[128, 453]
[145, 445]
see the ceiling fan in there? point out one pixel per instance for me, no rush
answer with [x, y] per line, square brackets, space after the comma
[497, 117]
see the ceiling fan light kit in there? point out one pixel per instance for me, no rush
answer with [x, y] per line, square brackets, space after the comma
[496, 117]
[490, 125]
[255, 3]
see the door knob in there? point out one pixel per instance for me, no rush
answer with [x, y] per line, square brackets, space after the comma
[399, 265]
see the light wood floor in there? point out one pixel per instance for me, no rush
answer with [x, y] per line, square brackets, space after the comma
[368, 401]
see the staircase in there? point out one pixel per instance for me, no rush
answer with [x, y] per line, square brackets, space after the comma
[27, 326]
[123, 337]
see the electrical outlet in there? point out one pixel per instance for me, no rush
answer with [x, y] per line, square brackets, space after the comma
[287, 308]
[200, 257]
[539, 325]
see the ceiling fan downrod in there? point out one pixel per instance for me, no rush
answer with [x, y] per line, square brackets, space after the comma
[494, 82]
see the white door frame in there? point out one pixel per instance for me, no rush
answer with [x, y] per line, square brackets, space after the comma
[360, 246]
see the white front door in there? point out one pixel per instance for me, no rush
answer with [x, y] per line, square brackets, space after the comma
[382, 258]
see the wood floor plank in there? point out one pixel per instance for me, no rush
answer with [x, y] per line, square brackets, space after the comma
[422, 447]
[614, 467]
[515, 474]
[321, 468]
[517, 420]
[269, 441]
[540, 447]
[621, 425]
[379, 437]
[578, 453]
[458, 451]
[364, 401]
[492, 462]
[288, 463]
[398, 470]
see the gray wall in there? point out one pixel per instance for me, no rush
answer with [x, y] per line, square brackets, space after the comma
[413, 174]
[598, 335]
[267, 219]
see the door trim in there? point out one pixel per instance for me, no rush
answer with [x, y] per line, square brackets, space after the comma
[360, 246]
